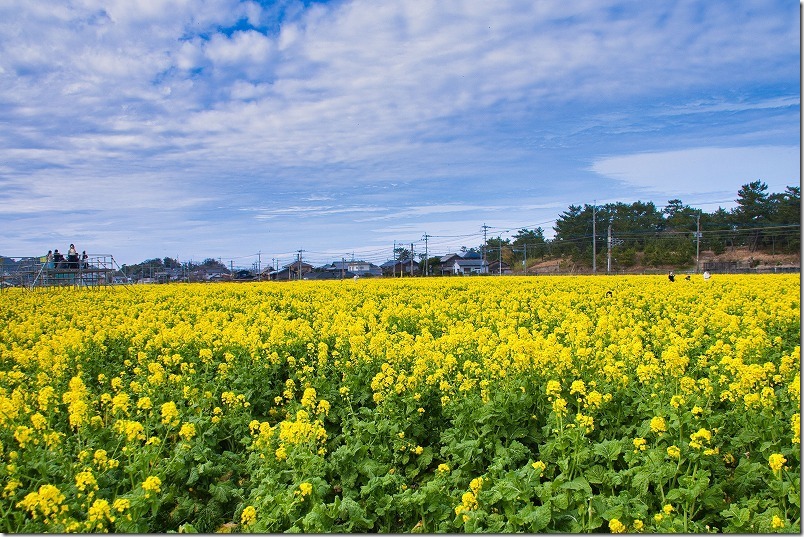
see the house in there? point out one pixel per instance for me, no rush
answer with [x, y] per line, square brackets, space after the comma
[292, 271]
[209, 274]
[328, 275]
[495, 268]
[364, 268]
[469, 263]
[356, 268]
[398, 268]
[243, 275]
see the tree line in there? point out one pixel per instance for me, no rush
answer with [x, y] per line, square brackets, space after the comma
[643, 233]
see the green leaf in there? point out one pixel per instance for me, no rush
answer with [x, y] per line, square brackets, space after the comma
[561, 501]
[609, 449]
[194, 476]
[579, 483]
[595, 474]
[506, 490]
[641, 482]
[535, 518]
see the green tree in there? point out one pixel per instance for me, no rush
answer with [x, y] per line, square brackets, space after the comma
[753, 211]
[433, 265]
[498, 248]
[785, 220]
[530, 244]
[679, 217]
[573, 233]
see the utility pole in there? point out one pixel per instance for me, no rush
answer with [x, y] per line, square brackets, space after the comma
[343, 263]
[483, 248]
[393, 267]
[411, 259]
[525, 262]
[259, 266]
[300, 264]
[698, 242]
[594, 242]
[426, 259]
[608, 253]
[499, 240]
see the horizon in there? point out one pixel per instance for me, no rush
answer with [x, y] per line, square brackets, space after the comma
[223, 128]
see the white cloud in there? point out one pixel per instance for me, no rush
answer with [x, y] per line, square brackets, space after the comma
[705, 169]
[165, 105]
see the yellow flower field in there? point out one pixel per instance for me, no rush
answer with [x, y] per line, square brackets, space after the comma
[569, 404]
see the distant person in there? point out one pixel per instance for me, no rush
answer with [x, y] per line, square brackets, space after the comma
[49, 260]
[84, 259]
[58, 259]
[687, 277]
[671, 276]
[707, 275]
[72, 257]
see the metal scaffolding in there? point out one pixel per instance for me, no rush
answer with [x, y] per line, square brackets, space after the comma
[96, 270]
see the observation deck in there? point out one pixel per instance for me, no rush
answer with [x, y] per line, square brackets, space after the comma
[96, 270]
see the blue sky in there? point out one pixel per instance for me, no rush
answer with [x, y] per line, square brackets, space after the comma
[224, 128]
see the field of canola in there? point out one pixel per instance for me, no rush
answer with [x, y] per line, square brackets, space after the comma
[439, 405]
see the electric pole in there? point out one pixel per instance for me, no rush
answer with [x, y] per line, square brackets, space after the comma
[483, 248]
[499, 240]
[394, 258]
[426, 259]
[411, 259]
[594, 242]
[525, 262]
[697, 242]
[608, 253]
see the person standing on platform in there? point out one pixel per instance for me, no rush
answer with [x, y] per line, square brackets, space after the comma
[72, 257]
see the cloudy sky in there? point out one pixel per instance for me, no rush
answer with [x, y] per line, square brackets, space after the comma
[224, 128]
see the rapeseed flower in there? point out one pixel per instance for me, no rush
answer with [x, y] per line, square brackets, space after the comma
[776, 462]
[152, 484]
[658, 425]
[98, 514]
[305, 489]
[47, 501]
[85, 480]
[699, 438]
[579, 387]
[539, 466]
[170, 414]
[187, 431]
[615, 526]
[248, 516]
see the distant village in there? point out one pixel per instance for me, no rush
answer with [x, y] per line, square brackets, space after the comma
[469, 262]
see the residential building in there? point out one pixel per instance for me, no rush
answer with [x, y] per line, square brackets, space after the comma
[462, 264]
